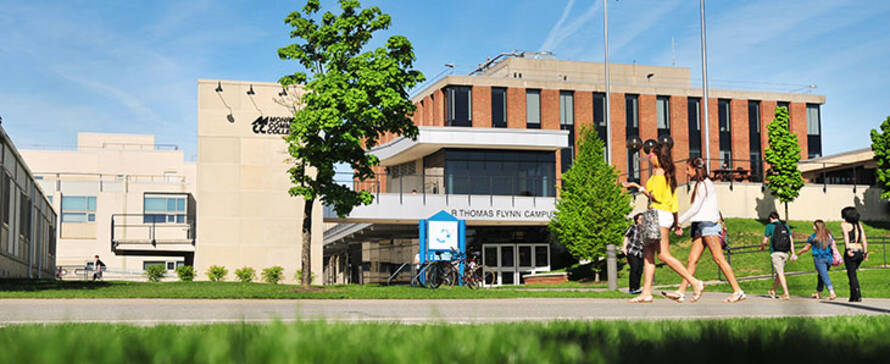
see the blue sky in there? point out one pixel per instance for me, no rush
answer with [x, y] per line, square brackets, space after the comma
[132, 67]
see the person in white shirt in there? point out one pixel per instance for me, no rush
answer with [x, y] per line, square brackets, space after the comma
[704, 213]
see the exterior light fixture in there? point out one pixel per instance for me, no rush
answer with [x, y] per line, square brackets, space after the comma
[283, 92]
[218, 86]
[250, 92]
[649, 76]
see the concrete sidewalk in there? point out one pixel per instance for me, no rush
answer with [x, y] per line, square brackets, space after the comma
[173, 311]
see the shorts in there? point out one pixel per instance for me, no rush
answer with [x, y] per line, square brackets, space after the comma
[705, 228]
[665, 219]
[779, 260]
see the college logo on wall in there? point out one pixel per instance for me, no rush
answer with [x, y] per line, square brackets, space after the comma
[443, 235]
[279, 125]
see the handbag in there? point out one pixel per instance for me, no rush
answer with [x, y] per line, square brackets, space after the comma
[650, 231]
[836, 257]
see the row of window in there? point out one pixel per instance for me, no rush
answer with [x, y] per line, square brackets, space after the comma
[459, 113]
[79, 209]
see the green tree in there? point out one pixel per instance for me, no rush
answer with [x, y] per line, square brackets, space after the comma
[592, 208]
[880, 144]
[353, 97]
[783, 154]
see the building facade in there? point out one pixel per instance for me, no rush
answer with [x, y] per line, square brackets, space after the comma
[493, 145]
[120, 196]
[27, 220]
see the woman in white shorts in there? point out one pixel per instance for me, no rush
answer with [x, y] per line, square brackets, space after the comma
[661, 189]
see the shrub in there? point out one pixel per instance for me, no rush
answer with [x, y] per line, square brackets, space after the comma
[299, 276]
[186, 273]
[217, 273]
[245, 274]
[273, 274]
[155, 272]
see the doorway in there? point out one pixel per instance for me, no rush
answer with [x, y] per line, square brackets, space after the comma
[511, 262]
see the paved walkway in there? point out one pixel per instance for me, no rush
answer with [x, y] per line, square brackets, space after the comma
[160, 311]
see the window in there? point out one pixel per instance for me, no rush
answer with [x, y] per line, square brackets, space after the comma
[496, 172]
[694, 117]
[632, 127]
[5, 204]
[663, 110]
[725, 120]
[533, 109]
[460, 106]
[754, 136]
[25, 216]
[599, 116]
[814, 131]
[787, 106]
[161, 210]
[498, 107]
[148, 263]
[78, 209]
[567, 122]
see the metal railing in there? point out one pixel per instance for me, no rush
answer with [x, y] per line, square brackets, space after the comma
[147, 229]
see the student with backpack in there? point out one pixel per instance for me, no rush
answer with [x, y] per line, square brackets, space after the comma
[822, 244]
[778, 235]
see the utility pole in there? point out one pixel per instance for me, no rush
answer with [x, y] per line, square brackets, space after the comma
[704, 87]
[608, 90]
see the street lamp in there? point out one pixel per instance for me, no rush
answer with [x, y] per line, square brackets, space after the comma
[608, 96]
[704, 87]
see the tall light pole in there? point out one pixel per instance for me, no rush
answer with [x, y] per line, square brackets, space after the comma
[608, 96]
[704, 87]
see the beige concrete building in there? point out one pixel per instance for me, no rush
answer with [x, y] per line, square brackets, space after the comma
[246, 216]
[27, 221]
[112, 193]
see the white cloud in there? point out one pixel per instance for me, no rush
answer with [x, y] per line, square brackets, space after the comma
[561, 31]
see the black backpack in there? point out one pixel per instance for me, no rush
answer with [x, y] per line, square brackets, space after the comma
[781, 239]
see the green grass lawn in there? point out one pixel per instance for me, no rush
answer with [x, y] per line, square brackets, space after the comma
[874, 283]
[116, 289]
[744, 232]
[857, 339]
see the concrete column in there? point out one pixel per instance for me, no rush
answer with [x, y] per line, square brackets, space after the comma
[612, 267]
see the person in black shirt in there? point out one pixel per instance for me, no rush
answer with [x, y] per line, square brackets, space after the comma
[98, 268]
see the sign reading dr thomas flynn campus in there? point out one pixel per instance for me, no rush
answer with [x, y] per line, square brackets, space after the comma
[501, 214]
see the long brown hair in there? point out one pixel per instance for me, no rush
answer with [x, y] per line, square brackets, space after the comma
[822, 234]
[666, 162]
[700, 175]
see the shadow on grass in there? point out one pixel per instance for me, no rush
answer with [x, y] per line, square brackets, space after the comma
[30, 285]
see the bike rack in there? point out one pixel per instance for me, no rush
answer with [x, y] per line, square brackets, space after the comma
[389, 280]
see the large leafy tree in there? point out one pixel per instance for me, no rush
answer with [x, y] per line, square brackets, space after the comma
[880, 144]
[592, 208]
[353, 96]
[783, 154]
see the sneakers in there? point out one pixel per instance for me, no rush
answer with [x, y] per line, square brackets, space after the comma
[635, 291]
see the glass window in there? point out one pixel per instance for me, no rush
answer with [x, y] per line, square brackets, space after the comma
[148, 263]
[525, 256]
[814, 131]
[498, 107]
[499, 172]
[25, 216]
[567, 122]
[632, 114]
[460, 106]
[694, 119]
[78, 208]
[491, 256]
[725, 120]
[663, 111]
[754, 136]
[507, 256]
[159, 210]
[533, 109]
[5, 204]
[541, 256]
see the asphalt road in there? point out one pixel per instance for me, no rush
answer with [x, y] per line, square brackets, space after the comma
[176, 311]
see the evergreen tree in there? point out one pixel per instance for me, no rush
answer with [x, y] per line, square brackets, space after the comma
[592, 208]
[880, 144]
[783, 154]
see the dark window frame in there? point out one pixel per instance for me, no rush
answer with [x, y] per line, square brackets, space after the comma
[502, 91]
[666, 115]
[452, 103]
[724, 127]
[528, 124]
[694, 120]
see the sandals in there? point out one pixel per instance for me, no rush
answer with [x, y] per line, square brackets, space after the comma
[816, 295]
[785, 297]
[674, 296]
[736, 296]
[772, 293]
[700, 289]
[640, 299]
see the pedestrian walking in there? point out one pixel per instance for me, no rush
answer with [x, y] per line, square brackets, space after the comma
[778, 235]
[661, 189]
[856, 249]
[98, 268]
[704, 213]
[633, 250]
[821, 242]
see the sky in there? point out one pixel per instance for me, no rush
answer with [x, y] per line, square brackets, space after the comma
[133, 66]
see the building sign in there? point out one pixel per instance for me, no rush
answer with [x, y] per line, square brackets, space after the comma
[503, 214]
[276, 125]
[442, 235]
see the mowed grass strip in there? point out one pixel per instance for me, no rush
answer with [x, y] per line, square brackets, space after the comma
[237, 290]
[855, 339]
[874, 283]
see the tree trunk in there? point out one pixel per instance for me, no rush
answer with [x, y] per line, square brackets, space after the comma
[786, 212]
[306, 259]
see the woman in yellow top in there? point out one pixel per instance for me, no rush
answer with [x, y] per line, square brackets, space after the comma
[661, 189]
